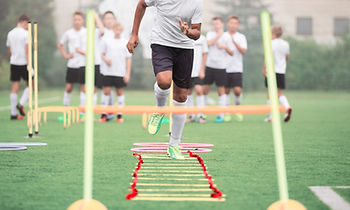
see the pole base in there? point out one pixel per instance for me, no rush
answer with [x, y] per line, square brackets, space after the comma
[287, 205]
[87, 205]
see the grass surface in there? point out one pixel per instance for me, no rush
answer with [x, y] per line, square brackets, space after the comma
[317, 148]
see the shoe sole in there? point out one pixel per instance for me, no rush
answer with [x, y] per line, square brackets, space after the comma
[289, 115]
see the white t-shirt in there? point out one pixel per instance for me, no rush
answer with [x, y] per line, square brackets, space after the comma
[235, 62]
[98, 38]
[200, 47]
[116, 51]
[106, 36]
[166, 30]
[17, 39]
[73, 39]
[280, 50]
[217, 58]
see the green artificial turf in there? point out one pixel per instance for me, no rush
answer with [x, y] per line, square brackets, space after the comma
[316, 141]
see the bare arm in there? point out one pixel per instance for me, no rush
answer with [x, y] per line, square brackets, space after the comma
[215, 39]
[204, 62]
[80, 51]
[139, 13]
[193, 33]
[239, 48]
[105, 59]
[128, 70]
[287, 57]
[9, 51]
[99, 24]
[63, 52]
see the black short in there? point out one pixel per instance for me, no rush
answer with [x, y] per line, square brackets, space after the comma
[234, 80]
[112, 81]
[81, 75]
[177, 60]
[18, 72]
[281, 82]
[72, 75]
[196, 81]
[98, 77]
[215, 75]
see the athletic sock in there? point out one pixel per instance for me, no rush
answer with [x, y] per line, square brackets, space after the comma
[82, 99]
[284, 101]
[121, 100]
[178, 125]
[24, 97]
[222, 103]
[66, 99]
[228, 99]
[238, 100]
[190, 104]
[200, 103]
[13, 101]
[105, 100]
[111, 100]
[161, 95]
[205, 100]
[95, 99]
[101, 94]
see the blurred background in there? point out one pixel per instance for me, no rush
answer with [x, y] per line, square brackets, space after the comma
[318, 32]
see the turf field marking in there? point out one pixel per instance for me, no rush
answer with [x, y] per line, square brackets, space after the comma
[42, 101]
[172, 185]
[174, 168]
[165, 164]
[175, 190]
[174, 195]
[178, 199]
[171, 171]
[341, 187]
[327, 195]
[177, 175]
[172, 179]
[162, 158]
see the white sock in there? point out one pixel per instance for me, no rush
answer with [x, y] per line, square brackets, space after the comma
[121, 100]
[95, 99]
[238, 100]
[205, 100]
[24, 97]
[111, 100]
[228, 99]
[200, 103]
[66, 99]
[82, 99]
[284, 101]
[13, 101]
[190, 104]
[105, 100]
[101, 94]
[222, 102]
[178, 125]
[161, 95]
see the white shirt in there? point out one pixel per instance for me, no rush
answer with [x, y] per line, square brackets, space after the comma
[17, 39]
[235, 62]
[200, 47]
[73, 39]
[109, 34]
[280, 50]
[217, 58]
[98, 38]
[116, 51]
[166, 30]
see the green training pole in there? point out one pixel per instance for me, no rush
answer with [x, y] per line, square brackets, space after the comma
[276, 121]
[89, 91]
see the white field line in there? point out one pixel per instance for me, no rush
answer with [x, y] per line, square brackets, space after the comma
[42, 101]
[327, 195]
[178, 199]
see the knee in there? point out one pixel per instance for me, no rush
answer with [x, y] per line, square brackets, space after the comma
[164, 82]
[237, 91]
[181, 98]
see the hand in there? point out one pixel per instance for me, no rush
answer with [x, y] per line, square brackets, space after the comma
[126, 79]
[220, 33]
[132, 44]
[221, 46]
[201, 74]
[68, 56]
[184, 26]
[108, 62]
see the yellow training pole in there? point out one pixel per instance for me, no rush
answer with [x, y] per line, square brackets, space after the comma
[88, 202]
[284, 202]
[36, 121]
[171, 104]
[30, 82]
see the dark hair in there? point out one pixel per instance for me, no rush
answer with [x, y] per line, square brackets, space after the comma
[233, 17]
[218, 18]
[79, 13]
[24, 18]
[108, 12]
[277, 30]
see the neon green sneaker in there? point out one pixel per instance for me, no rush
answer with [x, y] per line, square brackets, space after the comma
[239, 117]
[154, 123]
[227, 118]
[174, 152]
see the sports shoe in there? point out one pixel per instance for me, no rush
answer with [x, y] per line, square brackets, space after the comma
[17, 117]
[239, 117]
[103, 118]
[227, 118]
[120, 119]
[155, 123]
[20, 109]
[190, 120]
[201, 120]
[219, 119]
[288, 115]
[174, 152]
[268, 119]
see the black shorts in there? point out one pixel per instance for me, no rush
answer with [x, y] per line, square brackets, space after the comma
[98, 77]
[196, 81]
[112, 81]
[215, 75]
[177, 60]
[18, 72]
[72, 75]
[82, 75]
[281, 83]
[234, 80]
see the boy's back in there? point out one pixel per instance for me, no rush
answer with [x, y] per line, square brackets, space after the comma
[17, 39]
[280, 50]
